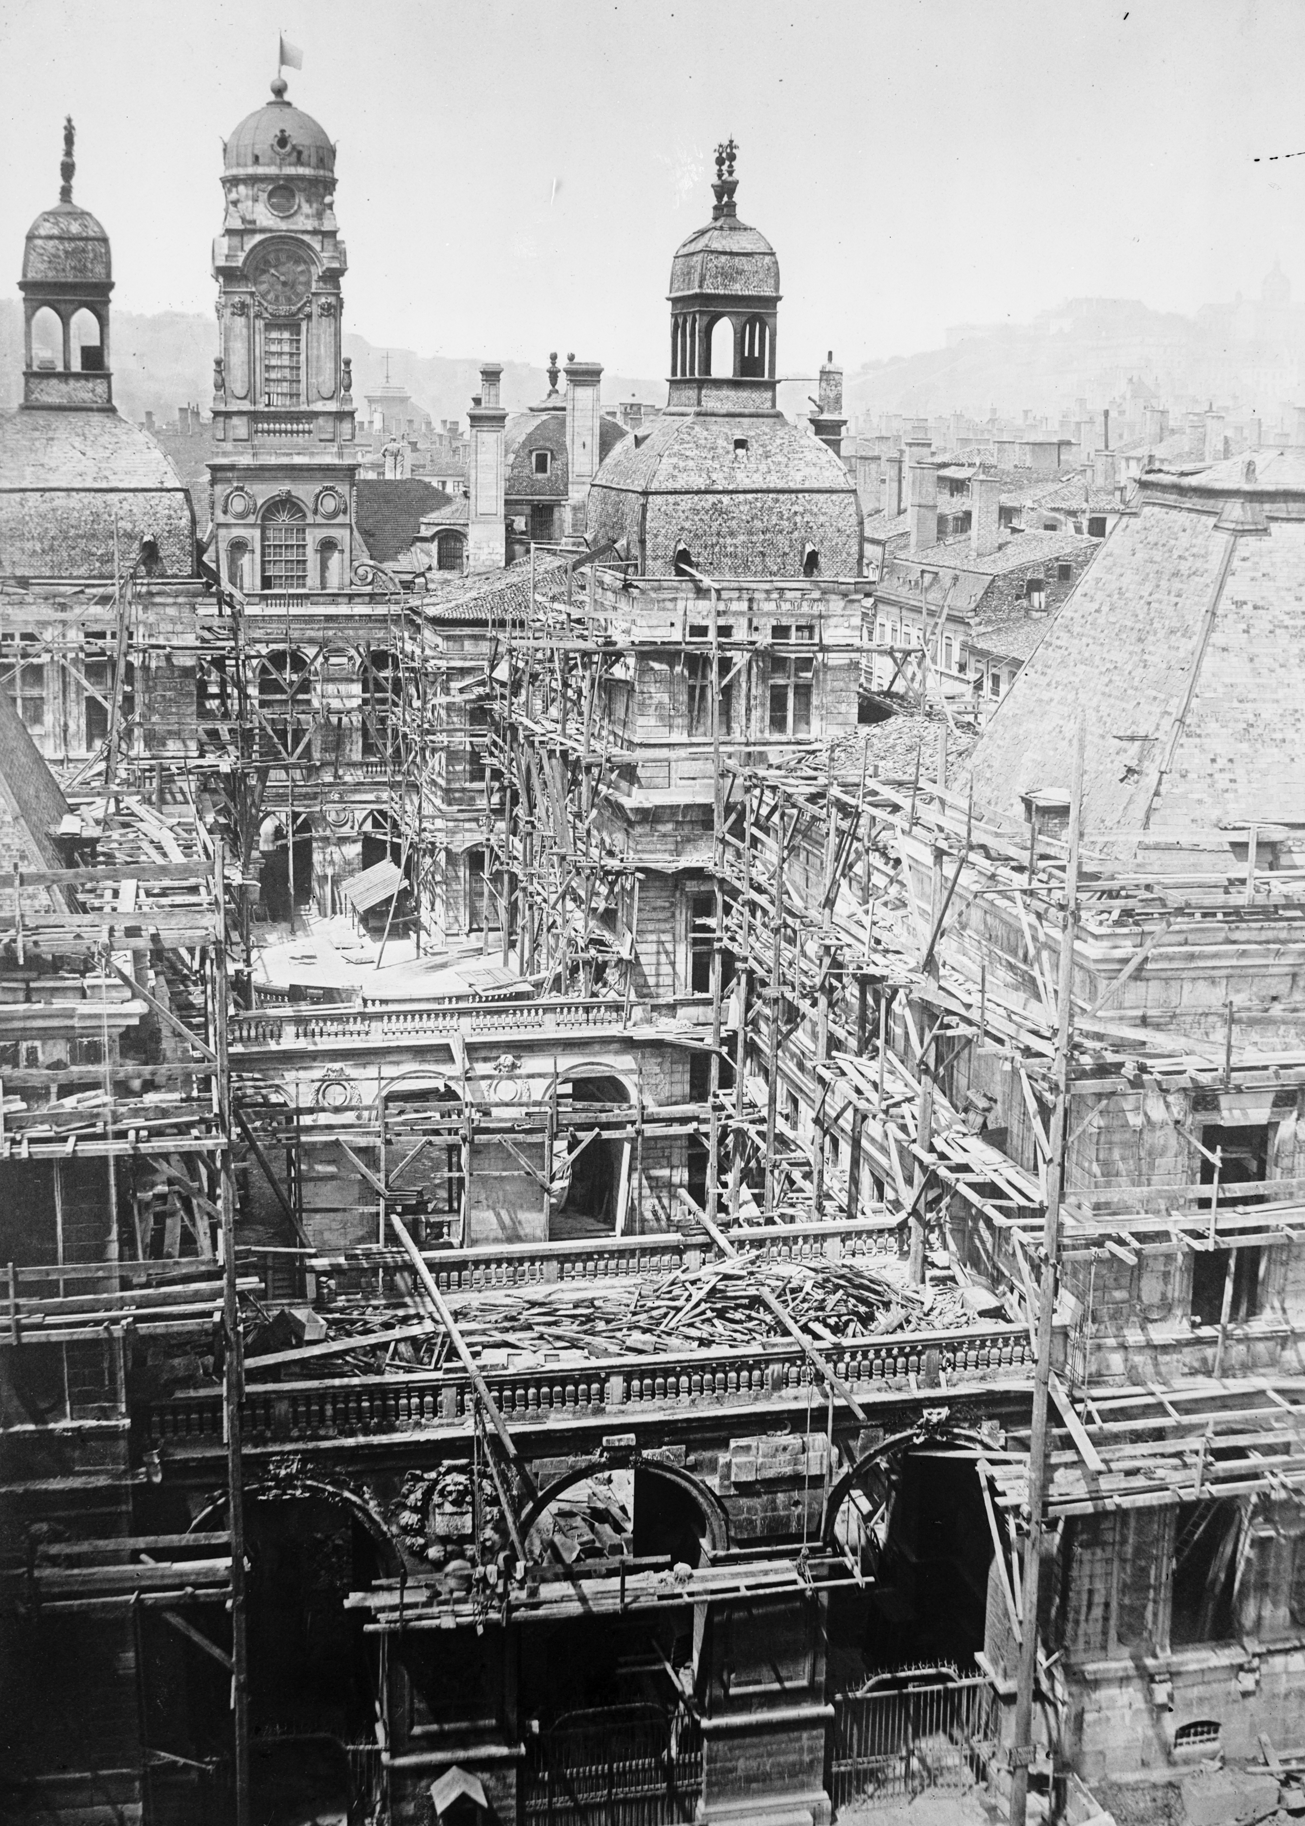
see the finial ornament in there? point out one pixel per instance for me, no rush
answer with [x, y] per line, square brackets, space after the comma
[726, 182]
[67, 166]
[553, 371]
[726, 153]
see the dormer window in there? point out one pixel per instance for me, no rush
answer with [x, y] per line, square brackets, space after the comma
[541, 462]
[740, 446]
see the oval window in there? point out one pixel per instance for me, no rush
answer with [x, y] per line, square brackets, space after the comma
[282, 199]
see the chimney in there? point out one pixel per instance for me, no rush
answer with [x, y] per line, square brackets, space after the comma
[1298, 435]
[1105, 428]
[1195, 451]
[924, 501]
[1156, 426]
[985, 515]
[1104, 469]
[1214, 437]
[827, 421]
[486, 531]
[583, 413]
[892, 474]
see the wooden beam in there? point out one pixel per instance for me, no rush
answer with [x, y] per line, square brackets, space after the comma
[183, 1628]
[1074, 1426]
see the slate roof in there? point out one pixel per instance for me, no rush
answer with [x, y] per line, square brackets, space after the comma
[389, 514]
[1184, 649]
[527, 432]
[64, 475]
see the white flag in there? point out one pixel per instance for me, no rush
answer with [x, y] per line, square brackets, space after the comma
[290, 55]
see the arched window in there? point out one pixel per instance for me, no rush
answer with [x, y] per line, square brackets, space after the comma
[811, 562]
[284, 702]
[756, 348]
[285, 546]
[720, 348]
[328, 564]
[382, 694]
[86, 339]
[237, 563]
[46, 340]
[449, 548]
[683, 561]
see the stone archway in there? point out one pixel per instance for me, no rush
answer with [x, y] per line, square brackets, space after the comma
[708, 1505]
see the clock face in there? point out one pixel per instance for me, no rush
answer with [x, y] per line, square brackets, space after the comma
[282, 279]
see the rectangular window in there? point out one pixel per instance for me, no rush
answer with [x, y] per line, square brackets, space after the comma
[540, 460]
[285, 555]
[994, 684]
[702, 933]
[792, 678]
[1097, 526]
[22, 675]
[281, 365]
[698, 669]
[477, 735]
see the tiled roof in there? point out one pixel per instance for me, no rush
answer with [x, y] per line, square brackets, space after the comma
[389, 514]
[74, 484]
[1017, 551]
[531, 431]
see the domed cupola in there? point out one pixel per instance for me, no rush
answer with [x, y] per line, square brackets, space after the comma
[279, 137]
[724, 301]
[721, 484]
[67, 278]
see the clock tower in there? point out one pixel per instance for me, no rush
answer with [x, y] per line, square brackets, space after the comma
[283, 414]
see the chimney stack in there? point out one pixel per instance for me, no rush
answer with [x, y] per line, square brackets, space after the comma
[1214, 437]
[486, 529]
[923, 499]
[985, 515]
[1195, 451]
[827, 421]
[1156, 425]
[892, 473]
[583, 416]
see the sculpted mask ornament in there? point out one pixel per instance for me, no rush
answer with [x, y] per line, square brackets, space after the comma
[239, 307]
[282, 278]
[326, 307]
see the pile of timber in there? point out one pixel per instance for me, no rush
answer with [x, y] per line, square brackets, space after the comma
[716, 1307]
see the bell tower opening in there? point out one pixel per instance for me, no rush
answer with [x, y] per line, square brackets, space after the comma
[66, 283]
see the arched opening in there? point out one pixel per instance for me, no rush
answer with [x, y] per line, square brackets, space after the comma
[382, 696]
[683, 565]
[328, 564]
[284, 703]
[313, 1673]
[754, 359]
[811, 562]
[238, 564]
[590, 1171]
[86, 341]
[719, 349]
[45, 340]
[285, 546]
[420, 1129]
[449, 551]
[287, 877]
[916, 1524]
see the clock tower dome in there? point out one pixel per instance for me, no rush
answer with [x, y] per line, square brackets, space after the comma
[283, 414]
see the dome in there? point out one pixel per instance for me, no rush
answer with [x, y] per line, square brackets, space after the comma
[746, 494]
[280, 136]
[726, 256]
[67, 244]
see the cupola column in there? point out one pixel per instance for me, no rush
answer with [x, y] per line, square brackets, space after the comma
[66, 284]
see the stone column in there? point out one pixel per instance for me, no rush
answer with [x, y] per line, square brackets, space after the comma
[486, 533]
[583, 419]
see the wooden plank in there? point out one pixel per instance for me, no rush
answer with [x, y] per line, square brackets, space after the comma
[339, 1347]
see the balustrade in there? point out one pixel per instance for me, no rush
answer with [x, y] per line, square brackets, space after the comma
[945, 1361]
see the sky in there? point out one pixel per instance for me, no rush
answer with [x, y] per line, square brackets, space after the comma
[514, 178]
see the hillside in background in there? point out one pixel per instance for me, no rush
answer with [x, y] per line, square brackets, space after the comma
[165, 361]
[1089, 348]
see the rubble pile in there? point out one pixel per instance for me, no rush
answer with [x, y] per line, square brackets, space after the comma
[714, 1307]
